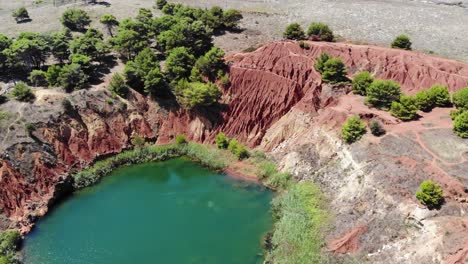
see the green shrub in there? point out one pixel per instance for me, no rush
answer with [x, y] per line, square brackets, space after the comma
[72, 77]
[222, 141]
[38, 78]
[441, 95]
[431, 194]
[160, 4]
[353, 129]
[238, 149]
[424, 100]
[361, 82]
[304, 45]
[402, 42]
[376, 128]
[52, 75]
[266, 169]
[279, 180]
[460, 125]
[9, 241]
[381, 93]
[301, 217]
[138, 141]
[67, 106]
[195, 94]
[231, 18]
[320, 31]
[29, 128]
[321, 60]
[405, 109]
[225, 81]
[75, 19]
[109, 21]
[22, 92]
[118, 85]
[21, 14]
[334, 71]
[294, 31]
[460, 98]
[181, 139]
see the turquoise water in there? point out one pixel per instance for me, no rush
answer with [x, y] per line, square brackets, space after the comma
[167, 212]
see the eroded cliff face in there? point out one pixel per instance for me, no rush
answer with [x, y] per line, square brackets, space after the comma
[277, 103]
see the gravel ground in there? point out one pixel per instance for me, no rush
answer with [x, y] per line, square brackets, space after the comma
[435, 26]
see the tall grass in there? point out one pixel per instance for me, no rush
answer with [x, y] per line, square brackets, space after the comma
[207, 156]
[301, 218]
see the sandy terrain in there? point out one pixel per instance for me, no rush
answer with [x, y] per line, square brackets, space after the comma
[438, 28]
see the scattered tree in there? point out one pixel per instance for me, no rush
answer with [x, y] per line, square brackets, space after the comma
[30, 49]
[160, 4]
[221, 140]
[334, 71]
[441, 95]
[154, 82]
[75, 19]
[52, 75]
[60, 42]
[21, 14]
[109, 21]
[72, 77]
[376, 128]
[212, 62]
[179, 63]
[231, 18]
[118, 85]
[460, 125]
[402, 42]
[353, 129]
[405, 109]
[294, 31]
[381, 93]
[22, 92]
[144, 68]
[38, 78]
[430, 195]
[361, 82]
[131, 38]
[91, 44]
[194, 94]
[320, 63]
[320, 31]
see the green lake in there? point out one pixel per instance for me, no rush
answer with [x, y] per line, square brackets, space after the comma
[165, 212]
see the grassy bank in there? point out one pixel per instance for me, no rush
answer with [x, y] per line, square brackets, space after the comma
[206, 155]
[298, 209]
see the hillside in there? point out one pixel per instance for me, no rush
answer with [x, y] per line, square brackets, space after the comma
[276, 103]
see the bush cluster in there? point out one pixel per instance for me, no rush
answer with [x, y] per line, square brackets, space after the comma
[316, 31]
[238, 149]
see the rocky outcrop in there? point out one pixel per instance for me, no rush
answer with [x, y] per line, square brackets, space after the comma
[277, 102]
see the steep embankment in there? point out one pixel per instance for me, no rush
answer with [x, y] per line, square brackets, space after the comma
[278, 102]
